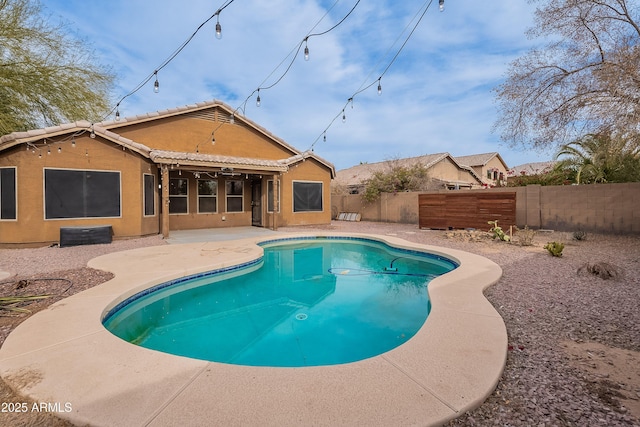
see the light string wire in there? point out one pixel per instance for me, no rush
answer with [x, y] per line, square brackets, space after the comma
[142, 83]
[296, 49]
[419, 15]
[169, 58]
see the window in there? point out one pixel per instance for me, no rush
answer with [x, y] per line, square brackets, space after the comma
[207, 196]
[235, 192]
[149, 195]
[307, 196]
[178, 196]
[8, 200]
[270, 197]
[81, 194]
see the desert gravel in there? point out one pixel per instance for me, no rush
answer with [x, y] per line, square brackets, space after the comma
[543, 300]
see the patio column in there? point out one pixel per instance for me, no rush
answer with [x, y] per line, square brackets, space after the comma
[165, 201]
[275, 204]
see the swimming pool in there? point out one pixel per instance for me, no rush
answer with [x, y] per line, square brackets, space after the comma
[306, 302]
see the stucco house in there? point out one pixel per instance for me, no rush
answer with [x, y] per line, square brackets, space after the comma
[443, 169]
[490, 167]
[193, 167]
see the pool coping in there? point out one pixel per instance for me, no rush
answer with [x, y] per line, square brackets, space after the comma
[65, 358]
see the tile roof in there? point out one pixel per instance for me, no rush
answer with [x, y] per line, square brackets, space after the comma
[479, 159]
[360, 173]
[213, 160]
[107, 130]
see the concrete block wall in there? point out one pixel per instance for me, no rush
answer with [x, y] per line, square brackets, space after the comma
[602, 208]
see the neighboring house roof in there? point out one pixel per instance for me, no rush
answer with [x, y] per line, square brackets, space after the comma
[532, 168]
[480, 159]
[358, 174]
[108, 129]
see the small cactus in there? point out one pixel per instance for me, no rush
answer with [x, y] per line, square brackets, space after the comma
[554, 248]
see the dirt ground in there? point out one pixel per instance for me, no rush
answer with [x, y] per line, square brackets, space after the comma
[613, 373]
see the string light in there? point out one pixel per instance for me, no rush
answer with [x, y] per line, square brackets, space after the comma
[73, 141]
[441, 6]
[306, 50]
[92, 134]
[218, 27]
[258, 99]
[117, 112]
[213, 139]
[156, 85]
[419, 16]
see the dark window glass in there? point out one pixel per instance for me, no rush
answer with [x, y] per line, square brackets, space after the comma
[149, 195]
[81, 194]
[207, 192]
[235, 191]
[8, 193]
[178, 196]
[307, 197]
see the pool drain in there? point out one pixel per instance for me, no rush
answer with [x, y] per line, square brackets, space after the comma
[301, 316]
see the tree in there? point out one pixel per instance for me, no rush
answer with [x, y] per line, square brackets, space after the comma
[585, 80]
[46, 76]
[600, 158]
[396, 178]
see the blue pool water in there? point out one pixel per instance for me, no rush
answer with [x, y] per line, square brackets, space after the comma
[307, 302]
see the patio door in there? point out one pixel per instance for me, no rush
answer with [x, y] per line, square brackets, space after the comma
[256, 202]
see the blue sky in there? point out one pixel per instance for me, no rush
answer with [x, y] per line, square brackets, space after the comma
[436, 96]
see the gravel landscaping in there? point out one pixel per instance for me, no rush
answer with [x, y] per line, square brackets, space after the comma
[574, 338]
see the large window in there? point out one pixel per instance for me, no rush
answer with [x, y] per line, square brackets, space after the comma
[307, 196]
[235, 196]
[178, 196]
[8, 201]
[81, 194]
[149, 195]
[270, 197]
[207, 196]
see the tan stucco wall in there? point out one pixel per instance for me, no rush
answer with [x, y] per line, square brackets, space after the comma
[186, 133]
[494, 163]
[308, 170]
[447, 171]
[182, 133]
[88, 154]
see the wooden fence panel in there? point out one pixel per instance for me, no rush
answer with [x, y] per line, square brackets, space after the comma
[466, 210]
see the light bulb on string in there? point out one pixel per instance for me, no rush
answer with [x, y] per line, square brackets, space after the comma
[59, 149]
[73, 141]
[441, 6]
[306, 50]
[92, 134]
[232, 119]
[379, 87]
[258, 99]
[344, 117]
[213, 139]
[324, 137]
[156, 84]
[218, 28]
[117, 114]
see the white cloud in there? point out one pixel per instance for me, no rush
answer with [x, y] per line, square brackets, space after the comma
[436, 96]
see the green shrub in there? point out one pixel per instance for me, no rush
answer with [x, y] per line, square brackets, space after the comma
[555, 248]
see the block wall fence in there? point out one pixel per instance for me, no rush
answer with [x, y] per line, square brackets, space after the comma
[600, 208]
